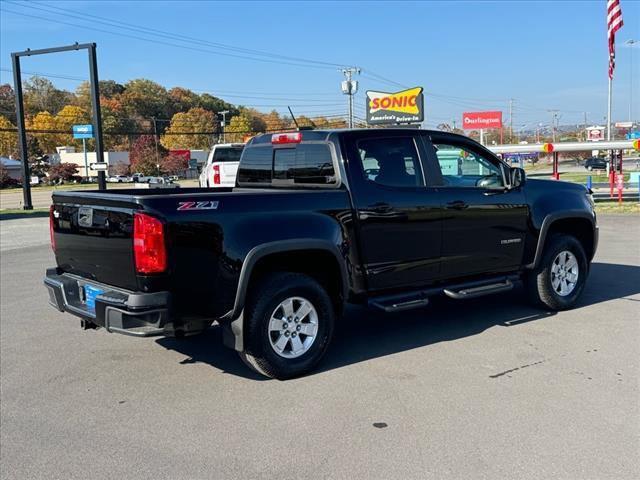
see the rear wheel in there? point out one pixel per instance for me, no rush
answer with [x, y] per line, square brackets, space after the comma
[560, 278]
[288, 325]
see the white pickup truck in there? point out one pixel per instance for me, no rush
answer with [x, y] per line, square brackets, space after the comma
[222, 166]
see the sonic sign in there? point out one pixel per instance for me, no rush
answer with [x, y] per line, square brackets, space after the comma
[385, 108]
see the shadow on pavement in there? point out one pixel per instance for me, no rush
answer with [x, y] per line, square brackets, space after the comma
[363, 334]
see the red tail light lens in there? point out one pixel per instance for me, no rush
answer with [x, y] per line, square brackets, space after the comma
[282, 138]
[51, 229]
[148, 244]
[216, 174]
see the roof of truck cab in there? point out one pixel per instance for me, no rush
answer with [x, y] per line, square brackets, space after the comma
[322, 134]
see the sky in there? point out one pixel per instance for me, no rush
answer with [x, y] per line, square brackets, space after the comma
[467, 55]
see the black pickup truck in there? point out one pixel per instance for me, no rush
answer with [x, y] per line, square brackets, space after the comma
[383, 217]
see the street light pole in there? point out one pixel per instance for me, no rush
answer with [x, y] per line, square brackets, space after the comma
[224, 122]
[631, 42]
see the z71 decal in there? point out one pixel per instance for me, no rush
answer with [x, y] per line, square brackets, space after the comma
[210, 205]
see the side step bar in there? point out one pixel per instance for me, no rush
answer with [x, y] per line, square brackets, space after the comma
[401, 302]
[416, 299]
[473, 292]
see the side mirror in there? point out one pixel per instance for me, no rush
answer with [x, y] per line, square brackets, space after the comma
[518, 177]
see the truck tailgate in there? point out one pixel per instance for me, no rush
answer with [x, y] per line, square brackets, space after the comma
[93, 238]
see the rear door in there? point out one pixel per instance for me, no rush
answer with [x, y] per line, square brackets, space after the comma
[398, 210]
[484, 222]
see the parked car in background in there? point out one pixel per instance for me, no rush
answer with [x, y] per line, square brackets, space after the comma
[119, 179]
[222, 166]
[595, 163]
[140, 178]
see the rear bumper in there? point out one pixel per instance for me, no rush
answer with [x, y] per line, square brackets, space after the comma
[118, 311]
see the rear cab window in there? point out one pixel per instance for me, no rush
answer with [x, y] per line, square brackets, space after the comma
[303, 164]
[227, 154]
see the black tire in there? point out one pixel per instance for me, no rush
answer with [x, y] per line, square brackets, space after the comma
[538, 282]
[269, 294]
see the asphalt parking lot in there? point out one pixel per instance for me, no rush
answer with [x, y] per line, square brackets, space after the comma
[485, 389]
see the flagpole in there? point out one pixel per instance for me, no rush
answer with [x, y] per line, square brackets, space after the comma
[609, 111]
[610, 165]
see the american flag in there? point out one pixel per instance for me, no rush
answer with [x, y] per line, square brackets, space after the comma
[614, 23]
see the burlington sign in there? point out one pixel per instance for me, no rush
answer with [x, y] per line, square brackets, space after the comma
[481, 120]
[406, 106]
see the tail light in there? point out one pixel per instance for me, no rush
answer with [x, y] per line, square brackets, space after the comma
[283, 138]
[149, 248]
[216, 174]
[52, 209]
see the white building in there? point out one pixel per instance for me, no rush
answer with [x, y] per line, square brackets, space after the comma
[111, 158]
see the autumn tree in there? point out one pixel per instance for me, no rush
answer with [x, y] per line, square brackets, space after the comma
[40, 95]
[174, 164]
[8, 140]
[145, 156]
[273, 121]
[47, 140]
[180, 134]
[63, 172]
[239, 126]
[121, 168]
[146, 99]
[183, 99]
[8, 102]
[66, 118]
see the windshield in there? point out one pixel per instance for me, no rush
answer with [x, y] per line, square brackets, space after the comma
[227, 154]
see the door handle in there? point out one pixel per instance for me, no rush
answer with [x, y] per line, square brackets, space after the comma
[457, 205]
[381, 208]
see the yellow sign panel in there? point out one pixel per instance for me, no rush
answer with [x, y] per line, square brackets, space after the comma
[399, 107]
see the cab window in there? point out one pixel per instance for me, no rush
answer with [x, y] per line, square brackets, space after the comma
[391, 161]
[463, 168]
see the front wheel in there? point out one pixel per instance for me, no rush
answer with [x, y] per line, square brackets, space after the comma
[288, 325]
[560, 278]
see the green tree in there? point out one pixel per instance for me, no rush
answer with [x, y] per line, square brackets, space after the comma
[239, 127]
[8, 140]
[215, 104]
[180, 134]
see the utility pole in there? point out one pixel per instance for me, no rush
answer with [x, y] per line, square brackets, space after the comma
[511, 119]
[155, 138]
[350, 87]
[585, 126]
[554, 118]
[224, 122]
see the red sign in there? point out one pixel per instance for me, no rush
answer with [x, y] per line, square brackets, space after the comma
[481, 120]
[595, 134]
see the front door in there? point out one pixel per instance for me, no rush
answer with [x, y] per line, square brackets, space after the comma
[484, 222]
[398, 212]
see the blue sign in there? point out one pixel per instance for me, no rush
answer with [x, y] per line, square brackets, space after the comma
[633, 135]
[83, 131]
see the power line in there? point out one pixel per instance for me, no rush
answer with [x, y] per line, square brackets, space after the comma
[302, 63]
[172, 35]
